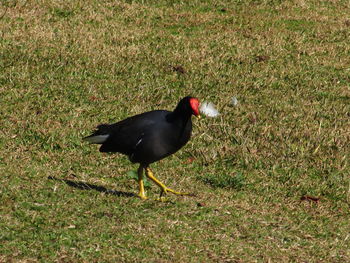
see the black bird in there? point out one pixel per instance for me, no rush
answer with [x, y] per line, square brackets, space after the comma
[149, 137]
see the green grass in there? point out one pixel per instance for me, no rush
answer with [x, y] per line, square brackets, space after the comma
[270, 176]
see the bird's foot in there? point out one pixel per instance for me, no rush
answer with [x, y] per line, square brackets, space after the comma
[162, 199]
[166, 190]
[142, 196]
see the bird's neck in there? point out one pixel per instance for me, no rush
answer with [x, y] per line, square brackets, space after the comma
[181, 125]
[179, 117]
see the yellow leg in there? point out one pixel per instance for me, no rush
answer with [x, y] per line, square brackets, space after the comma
[164, 189]
[142, 194]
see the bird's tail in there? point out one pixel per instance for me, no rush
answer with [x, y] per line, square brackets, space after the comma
[100, 135]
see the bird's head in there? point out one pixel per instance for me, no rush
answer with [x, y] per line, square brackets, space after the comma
[189, 105]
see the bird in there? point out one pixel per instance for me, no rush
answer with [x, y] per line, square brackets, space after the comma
[149, 137]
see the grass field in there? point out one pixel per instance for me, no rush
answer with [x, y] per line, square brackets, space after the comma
[271, 175]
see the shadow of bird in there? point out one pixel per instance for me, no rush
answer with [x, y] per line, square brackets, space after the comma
[86, 186]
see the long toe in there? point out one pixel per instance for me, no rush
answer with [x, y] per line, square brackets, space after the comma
[162, 199]
[142, 196]
[166, 190]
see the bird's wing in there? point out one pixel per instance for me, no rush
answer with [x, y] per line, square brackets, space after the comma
[124, 136]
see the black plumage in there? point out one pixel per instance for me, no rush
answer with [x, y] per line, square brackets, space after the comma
[149, 137]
